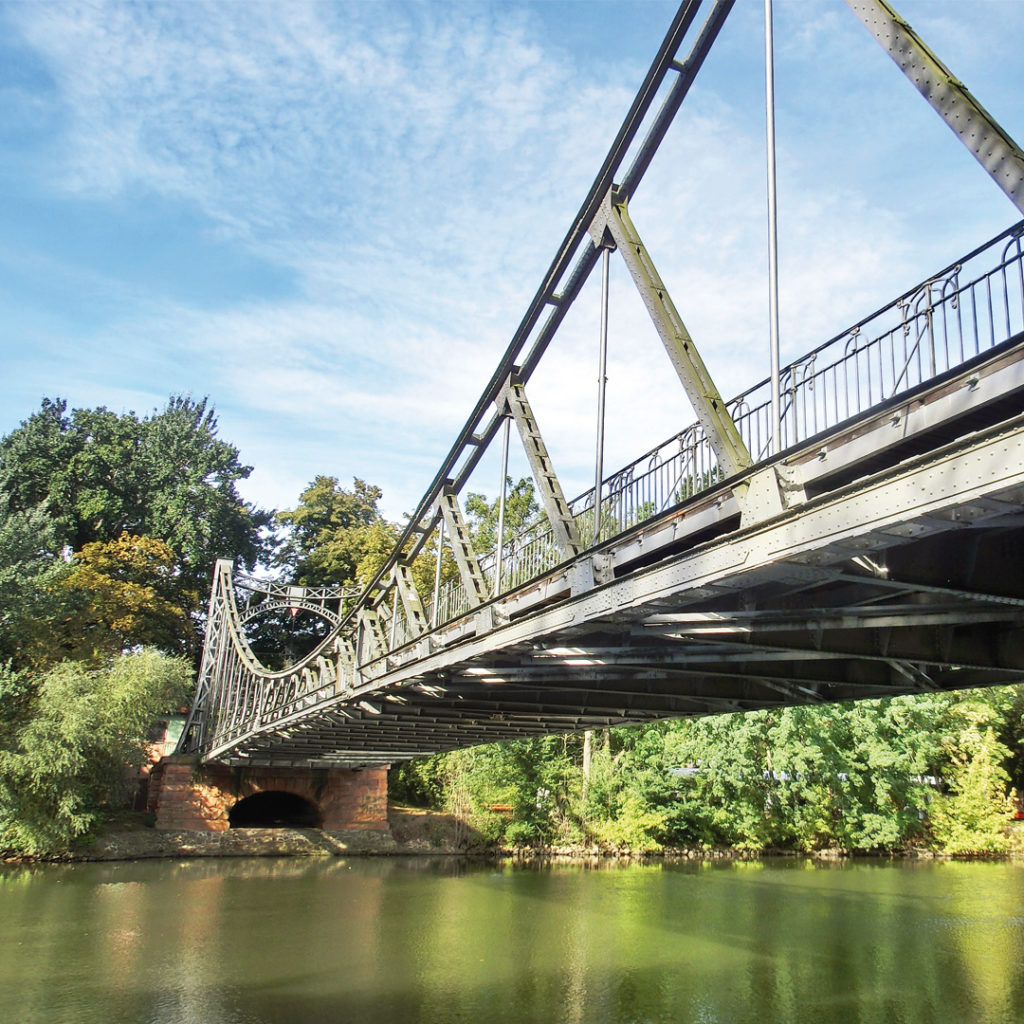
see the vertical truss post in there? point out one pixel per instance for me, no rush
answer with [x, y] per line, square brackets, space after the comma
[462, 547]
[437, 573]
[613, 223]
[414, 613]
[499, 551]
[773, 233]
[371, 643]
[563, 526]
[394, 617]
[976, 128]
[602, 385]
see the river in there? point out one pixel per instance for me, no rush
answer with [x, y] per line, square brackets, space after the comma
[424, 941]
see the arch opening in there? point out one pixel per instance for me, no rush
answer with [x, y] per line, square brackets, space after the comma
[275, 809]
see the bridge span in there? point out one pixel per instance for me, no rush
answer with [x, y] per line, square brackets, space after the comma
[853, 528]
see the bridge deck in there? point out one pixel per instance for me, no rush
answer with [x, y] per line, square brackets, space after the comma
[898, 568]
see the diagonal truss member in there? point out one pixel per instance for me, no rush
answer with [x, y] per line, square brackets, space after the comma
[563, 525]
[462, 547]
[613, 225]
[414, 613]
[949, 97]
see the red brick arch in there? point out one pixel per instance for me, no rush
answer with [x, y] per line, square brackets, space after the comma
[185, 797]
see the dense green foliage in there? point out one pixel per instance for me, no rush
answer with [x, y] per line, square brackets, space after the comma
[109, 529]
[70, 481]
[879, 775]
[332, 531]
[67, 738]
[99, 474]
[30, 574]
[521, 509]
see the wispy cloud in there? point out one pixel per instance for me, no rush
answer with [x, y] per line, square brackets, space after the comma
[409, 169]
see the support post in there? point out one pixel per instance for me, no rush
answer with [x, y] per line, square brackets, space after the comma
[773, 234]
[500, 550]
[394, 620]
[602, 385]
[437, 573]
[196, 731]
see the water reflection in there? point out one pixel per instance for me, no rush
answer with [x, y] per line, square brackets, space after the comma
[431, 940]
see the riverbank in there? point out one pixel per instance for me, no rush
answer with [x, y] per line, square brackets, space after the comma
[413, 832]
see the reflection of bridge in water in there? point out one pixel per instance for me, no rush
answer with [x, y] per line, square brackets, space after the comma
[859, 536]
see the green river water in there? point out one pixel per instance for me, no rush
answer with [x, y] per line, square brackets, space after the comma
[425, 940]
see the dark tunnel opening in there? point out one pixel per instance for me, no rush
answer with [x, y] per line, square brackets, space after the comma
[275, 809]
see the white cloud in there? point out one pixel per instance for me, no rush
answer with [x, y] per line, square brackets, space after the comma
[414, 173]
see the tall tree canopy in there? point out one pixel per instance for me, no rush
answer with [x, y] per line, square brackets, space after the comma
[76, 483]
[168, 475]
[332, 530]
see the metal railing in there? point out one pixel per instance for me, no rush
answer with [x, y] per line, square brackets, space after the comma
[968, 308]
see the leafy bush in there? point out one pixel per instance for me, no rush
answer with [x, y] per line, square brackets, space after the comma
[66, 757]
[636, 827]
[521, 833]
[973, 817]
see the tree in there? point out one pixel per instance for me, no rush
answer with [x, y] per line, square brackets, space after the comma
[30, 571]
[193, 502]
[972, 816]
[122, 594]
[858, 776]
[331, 531]
[97, 474]
[521, 509]
[64, 761]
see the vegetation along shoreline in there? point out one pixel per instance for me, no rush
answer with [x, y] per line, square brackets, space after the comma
[110, 525]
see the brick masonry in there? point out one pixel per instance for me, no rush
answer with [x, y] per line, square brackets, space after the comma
[191, 798]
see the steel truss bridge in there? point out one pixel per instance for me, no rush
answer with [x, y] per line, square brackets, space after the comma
[862, 535]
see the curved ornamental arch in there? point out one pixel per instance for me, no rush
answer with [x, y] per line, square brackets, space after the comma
[291, 605]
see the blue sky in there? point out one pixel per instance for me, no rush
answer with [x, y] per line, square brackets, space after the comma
[330, 217]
